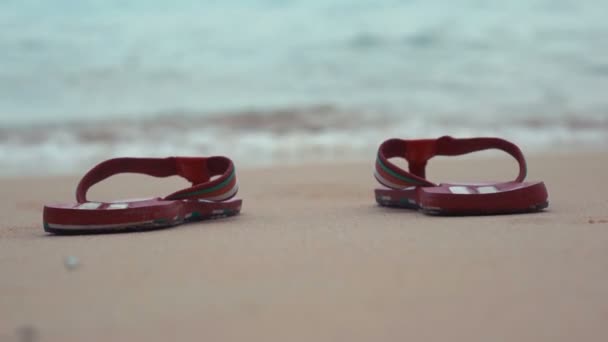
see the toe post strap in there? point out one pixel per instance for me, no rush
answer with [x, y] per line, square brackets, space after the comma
[418, 152]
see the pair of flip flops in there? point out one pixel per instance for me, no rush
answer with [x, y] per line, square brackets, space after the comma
[214, 186]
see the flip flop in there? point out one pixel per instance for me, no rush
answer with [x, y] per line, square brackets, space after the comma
[412, 190]
[207, 198]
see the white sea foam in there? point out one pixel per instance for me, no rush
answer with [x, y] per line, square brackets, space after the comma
[263, 138]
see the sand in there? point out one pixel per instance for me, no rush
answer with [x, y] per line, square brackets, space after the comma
[312, 258]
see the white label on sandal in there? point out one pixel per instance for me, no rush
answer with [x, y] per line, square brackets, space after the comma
[89, 206]
[118, 206]
[461, 190]
[487, 189]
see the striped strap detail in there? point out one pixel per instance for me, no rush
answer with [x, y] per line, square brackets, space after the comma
[198, 170]
[418, 152]
[223, 188]
[393, 176]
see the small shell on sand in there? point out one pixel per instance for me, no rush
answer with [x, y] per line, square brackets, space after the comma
[71, 262]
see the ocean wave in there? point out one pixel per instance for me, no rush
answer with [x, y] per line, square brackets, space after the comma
[251, 138]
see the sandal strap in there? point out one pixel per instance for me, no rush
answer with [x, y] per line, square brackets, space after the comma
[197, 170]
[418, 152]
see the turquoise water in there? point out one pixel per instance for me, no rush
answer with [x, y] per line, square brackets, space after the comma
[75, 59]
[532, 70]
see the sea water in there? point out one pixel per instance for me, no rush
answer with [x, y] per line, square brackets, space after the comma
[271, 81]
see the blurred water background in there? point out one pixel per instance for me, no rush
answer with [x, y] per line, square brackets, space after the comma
[270, 81]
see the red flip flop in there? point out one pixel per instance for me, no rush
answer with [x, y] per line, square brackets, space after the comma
[206, 198]
[412, 190]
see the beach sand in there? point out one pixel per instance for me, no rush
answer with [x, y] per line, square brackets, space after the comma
[312, 258]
